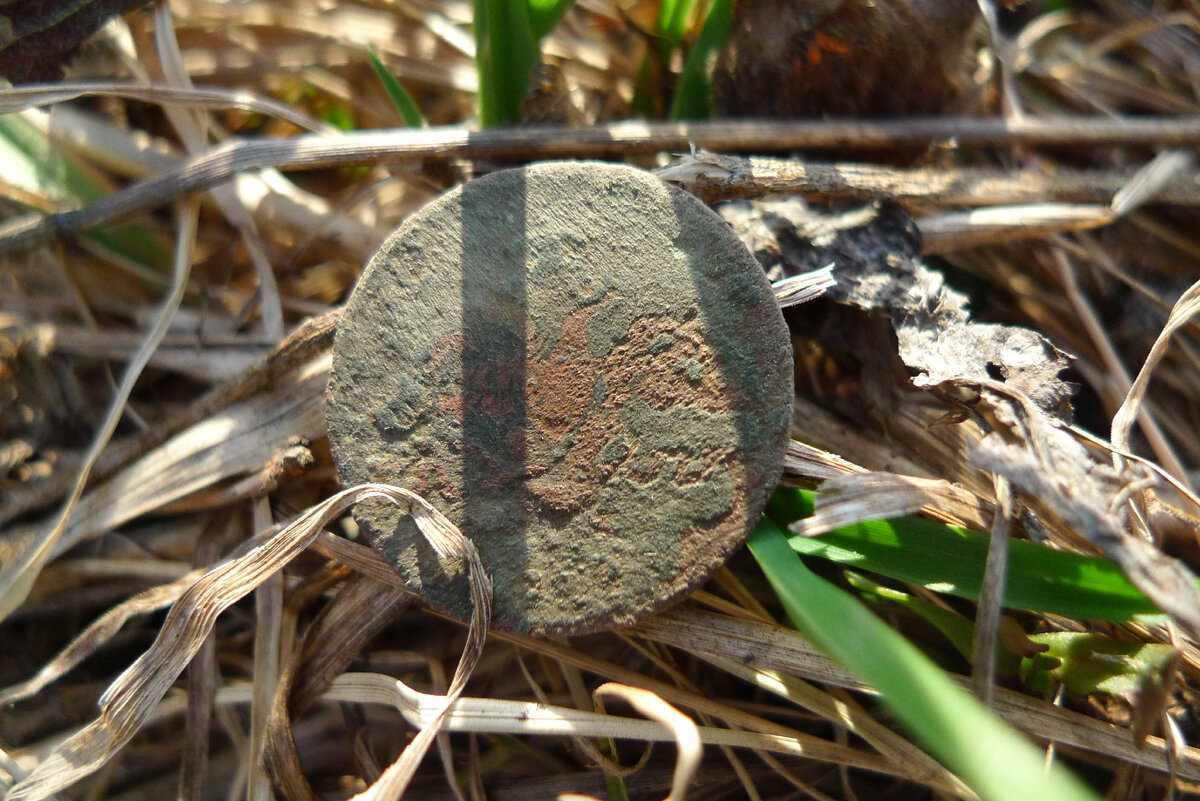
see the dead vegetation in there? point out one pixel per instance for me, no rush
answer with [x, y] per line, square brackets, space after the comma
[1009, 347]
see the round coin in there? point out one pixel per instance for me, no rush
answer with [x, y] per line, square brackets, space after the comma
[586, 371]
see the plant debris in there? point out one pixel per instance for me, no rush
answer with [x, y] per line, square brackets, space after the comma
[875, 257]
[1049, 181]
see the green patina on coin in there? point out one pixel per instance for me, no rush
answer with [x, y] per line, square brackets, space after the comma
[586, 371]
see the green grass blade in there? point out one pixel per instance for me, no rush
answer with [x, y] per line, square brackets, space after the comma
[673, 18]
[951, 560]
[36, 165]
[693, 96]
[956, 628]
[669, 27]
[505, 51]
[981, 750]
[545, 14]
[400, 98]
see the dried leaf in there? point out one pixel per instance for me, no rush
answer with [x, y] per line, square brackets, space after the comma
[1063, 480]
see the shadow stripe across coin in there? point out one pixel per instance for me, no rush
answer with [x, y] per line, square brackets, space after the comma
[586, 371]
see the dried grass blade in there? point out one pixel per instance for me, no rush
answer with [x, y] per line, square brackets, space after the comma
[262, 392]
[192, 126]
[809, 462]
[1118, 376]
[357, 613]
[960, 229]
[920, 766]
[448, 542]
[232, 442]
[1185, 309]
[19, 98]
[18, 574]
[361, 608]
[802, 288]
[773, 647]
[128, 702]
[854, 498]
[767, 734]
[991, 596]
[97, 634]
[268, 646]
[523, 717]
[687, 736]
[1150, 181]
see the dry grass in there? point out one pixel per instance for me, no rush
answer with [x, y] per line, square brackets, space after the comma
[219, 444]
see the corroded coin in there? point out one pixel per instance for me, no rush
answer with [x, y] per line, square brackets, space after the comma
[586, 371]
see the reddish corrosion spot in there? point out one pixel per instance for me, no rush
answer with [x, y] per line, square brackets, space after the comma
[661, 363]
[560, 386]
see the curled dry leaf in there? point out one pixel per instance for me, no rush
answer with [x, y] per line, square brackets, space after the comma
[687, 738]
[874, 252]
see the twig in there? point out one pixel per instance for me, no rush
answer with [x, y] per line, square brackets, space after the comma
[358, 147]
[19, 98]
[991, 596]
[713, 177]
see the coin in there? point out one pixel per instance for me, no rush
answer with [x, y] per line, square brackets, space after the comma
[586, 371]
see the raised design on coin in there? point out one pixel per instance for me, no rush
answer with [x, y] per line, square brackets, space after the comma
[586, 371]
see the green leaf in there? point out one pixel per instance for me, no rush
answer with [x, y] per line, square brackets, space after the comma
[990, 757]
[673, 18]
[1090, 663]
[693, 96]
[34, 164]
[951, 560]
[399, 96]
[505, 52]
[545, 14]
[956, 628]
